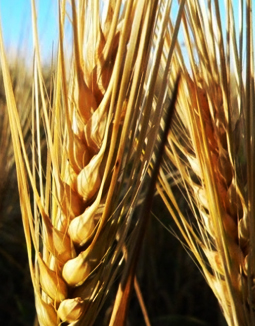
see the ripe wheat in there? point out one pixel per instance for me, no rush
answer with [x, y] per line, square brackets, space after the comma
[212, 146]
[100, 132]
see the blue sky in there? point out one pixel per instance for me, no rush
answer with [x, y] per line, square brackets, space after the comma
[16, 23]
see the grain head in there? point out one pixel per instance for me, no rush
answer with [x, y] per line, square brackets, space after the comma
[211, 145]
[101, 130]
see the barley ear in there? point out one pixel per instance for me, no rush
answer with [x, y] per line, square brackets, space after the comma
[211, 146]
[101, 132]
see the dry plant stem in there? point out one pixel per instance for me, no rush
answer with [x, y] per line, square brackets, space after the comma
[141, 302]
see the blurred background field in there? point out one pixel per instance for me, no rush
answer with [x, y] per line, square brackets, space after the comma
[173, 288]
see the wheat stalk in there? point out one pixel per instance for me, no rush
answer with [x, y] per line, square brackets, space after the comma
[100, 132]
[212, 146]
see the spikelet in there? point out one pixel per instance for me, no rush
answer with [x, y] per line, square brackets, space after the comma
[70, 310]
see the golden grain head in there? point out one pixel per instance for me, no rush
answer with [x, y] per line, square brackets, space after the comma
[210, 146]
[101, 127]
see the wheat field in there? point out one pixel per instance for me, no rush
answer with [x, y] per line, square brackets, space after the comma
[149, 99]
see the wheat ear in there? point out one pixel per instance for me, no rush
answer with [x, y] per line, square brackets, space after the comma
[100, 131]
[212, 146]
